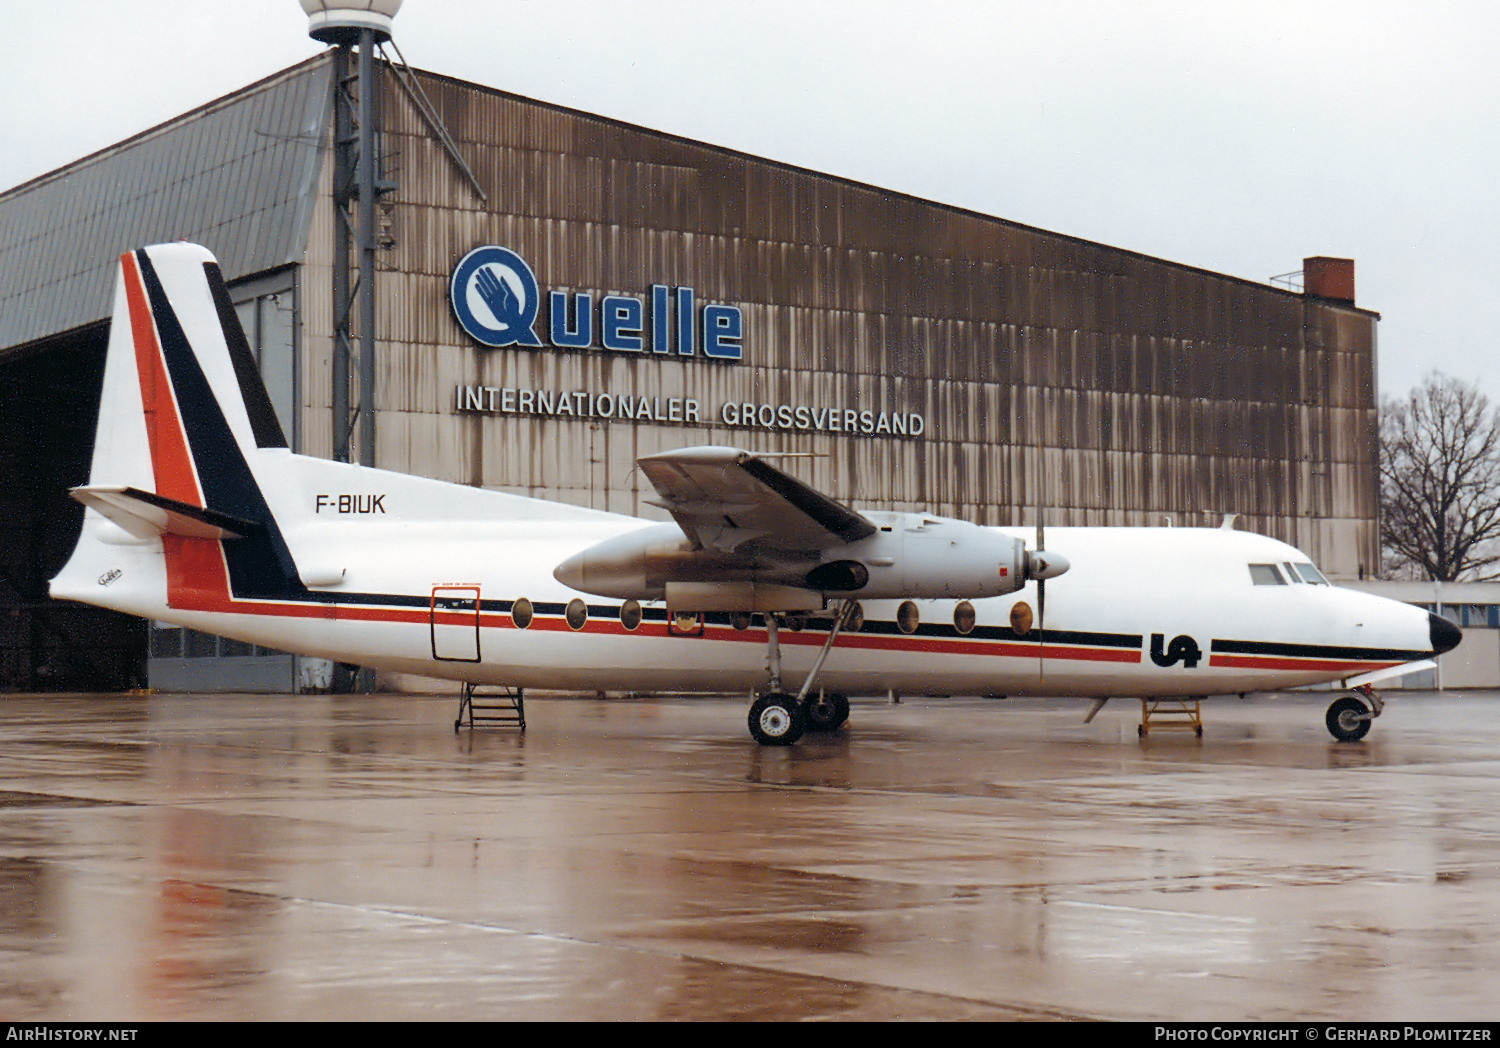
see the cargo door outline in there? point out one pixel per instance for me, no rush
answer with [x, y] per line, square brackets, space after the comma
[453, 613]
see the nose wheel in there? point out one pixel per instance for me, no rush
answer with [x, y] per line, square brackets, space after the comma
[1349, 718]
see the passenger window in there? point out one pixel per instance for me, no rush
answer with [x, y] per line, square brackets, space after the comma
[964, 617]
[630, 614]
[521, 613]
[1266, 575]
[907, 617]
[577, 613]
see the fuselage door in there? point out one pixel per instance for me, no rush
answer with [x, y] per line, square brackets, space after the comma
[455, 623]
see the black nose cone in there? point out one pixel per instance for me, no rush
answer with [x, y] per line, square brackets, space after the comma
[1445, 635]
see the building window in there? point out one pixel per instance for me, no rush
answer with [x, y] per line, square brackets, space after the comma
[200, 645]
[166, 641]
[1479, 616]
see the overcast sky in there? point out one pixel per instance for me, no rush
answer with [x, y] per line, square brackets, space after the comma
[1234, 136]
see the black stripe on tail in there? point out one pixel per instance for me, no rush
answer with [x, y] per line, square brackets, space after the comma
[263, 420]
[260, 564]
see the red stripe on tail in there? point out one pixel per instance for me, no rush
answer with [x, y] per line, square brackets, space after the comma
[196, 572]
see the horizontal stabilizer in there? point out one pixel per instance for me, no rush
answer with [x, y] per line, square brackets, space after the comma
[145, 514]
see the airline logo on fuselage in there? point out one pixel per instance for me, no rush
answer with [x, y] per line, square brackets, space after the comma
[496, 300]
[1183, 649]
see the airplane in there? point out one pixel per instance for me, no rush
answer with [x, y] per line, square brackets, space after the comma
[198, 514]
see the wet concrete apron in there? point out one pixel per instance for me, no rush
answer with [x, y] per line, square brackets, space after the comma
[251, 857]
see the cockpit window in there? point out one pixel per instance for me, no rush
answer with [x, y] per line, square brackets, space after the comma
[1266, 575]
[1310, 574]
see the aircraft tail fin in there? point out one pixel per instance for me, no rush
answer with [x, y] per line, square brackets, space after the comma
[181, 387]
[185, 425]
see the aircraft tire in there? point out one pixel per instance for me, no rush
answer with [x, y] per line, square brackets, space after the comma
[1348, 719]
[825, 712]
[776, 720]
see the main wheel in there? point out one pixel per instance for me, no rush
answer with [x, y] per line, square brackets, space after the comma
[825, 711]
[776, 720]
[1348, 719]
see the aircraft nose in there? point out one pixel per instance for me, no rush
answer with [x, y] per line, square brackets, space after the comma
[1445, 635]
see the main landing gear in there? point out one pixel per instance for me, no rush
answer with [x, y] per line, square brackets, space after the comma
[1349, 717]
[780, 719]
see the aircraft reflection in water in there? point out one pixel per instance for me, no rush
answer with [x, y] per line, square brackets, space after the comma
[200, 515]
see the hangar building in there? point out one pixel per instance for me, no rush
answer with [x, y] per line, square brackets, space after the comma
[666, 292]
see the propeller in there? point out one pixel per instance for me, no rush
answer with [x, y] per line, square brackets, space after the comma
[1041, 566]
[1041, 594]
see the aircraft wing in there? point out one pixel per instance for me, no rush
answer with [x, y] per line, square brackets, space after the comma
[724, 498]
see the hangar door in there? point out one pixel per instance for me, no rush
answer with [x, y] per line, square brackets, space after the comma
[49, 402]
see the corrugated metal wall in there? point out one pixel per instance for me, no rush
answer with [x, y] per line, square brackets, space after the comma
[1103, 385]
[1108, 387]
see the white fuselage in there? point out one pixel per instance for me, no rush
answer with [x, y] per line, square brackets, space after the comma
[199, 514]
[418, 576]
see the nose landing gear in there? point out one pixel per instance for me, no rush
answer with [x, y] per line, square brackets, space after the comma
[1349, 717]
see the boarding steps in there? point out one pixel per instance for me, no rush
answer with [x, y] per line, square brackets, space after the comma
[1171, 715]
[501, 706]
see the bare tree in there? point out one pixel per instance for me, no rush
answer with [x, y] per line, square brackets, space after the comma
[1440, 481]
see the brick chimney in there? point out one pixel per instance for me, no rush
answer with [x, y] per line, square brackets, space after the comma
[1330, 278]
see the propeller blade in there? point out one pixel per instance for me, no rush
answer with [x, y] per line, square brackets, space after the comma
[1042, 565]
[1041, 599]
[1035, 562]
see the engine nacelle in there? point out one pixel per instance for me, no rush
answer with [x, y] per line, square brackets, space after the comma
[638, 565]
[916, 555]
[911, 555]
